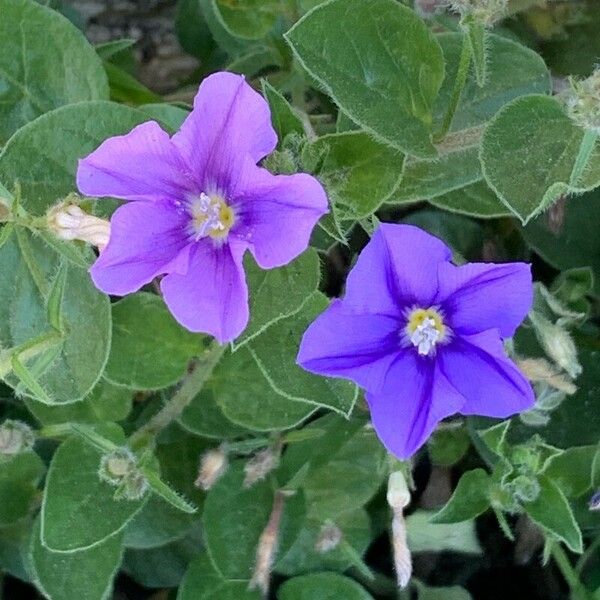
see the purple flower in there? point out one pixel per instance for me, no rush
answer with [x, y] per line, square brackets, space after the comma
[422, 336]
[197, 202]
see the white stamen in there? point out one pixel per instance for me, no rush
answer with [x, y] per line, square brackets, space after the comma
[425, 336]
[206, 215]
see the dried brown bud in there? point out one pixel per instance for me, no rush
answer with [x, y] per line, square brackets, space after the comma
[398, 497]
[212, 465]
[259, 466]
[68, 222]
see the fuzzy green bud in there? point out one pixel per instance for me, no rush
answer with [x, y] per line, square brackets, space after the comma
[120, 469]
[482, 12]
[524, 488]
[582, 102]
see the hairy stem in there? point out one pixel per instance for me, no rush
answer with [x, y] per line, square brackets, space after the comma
[189, 389]
[459, 84]
[568, 572]
[588, 143]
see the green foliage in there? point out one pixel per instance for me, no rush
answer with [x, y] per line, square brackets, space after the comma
[39, 73]
[534, 136]
[390, 86]
[91, 571]
[136, 361]
[430, 120]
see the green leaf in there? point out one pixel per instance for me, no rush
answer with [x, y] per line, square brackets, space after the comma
[478, 41]
[169, 115]
[79, 510]
[513, 70]
[108, 50]
[470, 499]
[158, 523]
[203, 582]
[247, 398]
[19, 479]
[278, 293]
[167, 493]
[284, 116]
[534, 137]
[566, 237]
[203, 416]
[165, 566]
[380, 64]
[42, 71]
[576, 421]
[126, 88]
[322, 586]
[275, 352]
[447, 446]
[475, 200]
[149, 349]
[223, 37]
[453, 592]
[571, 470]
[551, 511]
[424, 534]
[302, 557]
[346, 466]
[235, 516]
[75, 575]
[192, 31]
[358, 172]
[66, 372]
[248, 19]
[106, 402]
[45, 167]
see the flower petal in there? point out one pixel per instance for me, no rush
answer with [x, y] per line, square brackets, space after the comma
[477, 297]
[415, 398]
[356, 347]
[212, 297]
[142, 165]
[229, 121]
[397, 268]
[146, 240]
[479, 369]
[277, 213]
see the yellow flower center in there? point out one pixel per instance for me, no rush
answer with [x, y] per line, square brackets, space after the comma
[425, 328]
[210, 216]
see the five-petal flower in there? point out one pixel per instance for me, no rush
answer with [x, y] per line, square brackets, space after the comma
[422, 336]
[197, 202]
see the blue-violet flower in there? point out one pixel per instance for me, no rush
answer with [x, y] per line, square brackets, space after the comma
[422, 336]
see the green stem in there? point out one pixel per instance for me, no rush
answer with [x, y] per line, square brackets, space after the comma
[189, 389]
[459, 84]
[564, 564]
[591, 551]
[588, 143]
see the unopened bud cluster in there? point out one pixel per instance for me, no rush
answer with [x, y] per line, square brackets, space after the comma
[482, 12]
[583, 102]
[260, 465]
[120, 469]
[15, 438]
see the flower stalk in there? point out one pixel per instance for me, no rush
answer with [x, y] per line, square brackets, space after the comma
[190, 388]
[459, 84]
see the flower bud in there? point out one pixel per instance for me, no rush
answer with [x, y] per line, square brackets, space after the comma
[259, 466]
[120, 469]
[540, 370]
[595, 501]
[212, 465]
[524, 488]
[329, 538]
[398, 497]
[482, 12]
[68, 222]
[557, 343]
[15, 437]
[582, 102]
